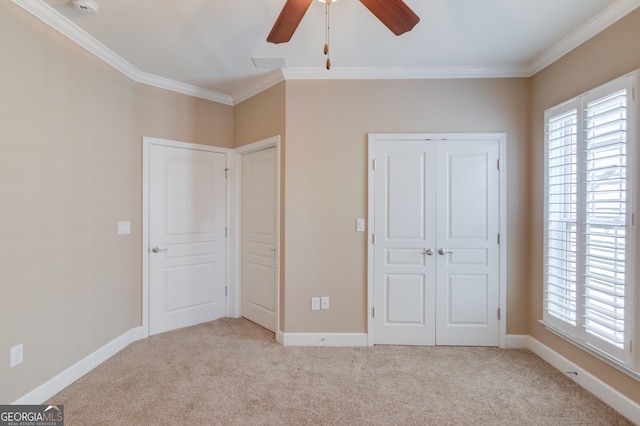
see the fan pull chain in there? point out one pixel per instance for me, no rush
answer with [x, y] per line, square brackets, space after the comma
[326, 36]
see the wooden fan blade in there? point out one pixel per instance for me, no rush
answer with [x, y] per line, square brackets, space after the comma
[395, 14]
[286, 24]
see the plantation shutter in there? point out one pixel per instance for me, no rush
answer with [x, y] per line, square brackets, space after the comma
[605, 214]
[561, 216]
[588, 231]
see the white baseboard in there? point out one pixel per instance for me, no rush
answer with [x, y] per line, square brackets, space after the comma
[82, 367]
[517, 341]
[621, 403]
[324, 339]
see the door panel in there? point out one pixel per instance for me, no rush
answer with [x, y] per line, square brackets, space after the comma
[405, 276]
[405, 181]
[436, 194]
[188, 286]
[260, 293]
[466, 191]
[468, 226]
[405, 299]
[259, 251]
[467, 297]
[187, 275]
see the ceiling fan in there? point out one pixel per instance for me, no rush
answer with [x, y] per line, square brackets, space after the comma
[395, 14]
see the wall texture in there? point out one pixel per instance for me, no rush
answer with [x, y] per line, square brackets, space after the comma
[610, 54]
[326, 182]
[260, 117]
[70, 169]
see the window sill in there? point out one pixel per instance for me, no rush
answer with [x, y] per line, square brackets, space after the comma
[593, 351]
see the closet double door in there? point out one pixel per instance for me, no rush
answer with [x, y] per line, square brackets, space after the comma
[436, 242]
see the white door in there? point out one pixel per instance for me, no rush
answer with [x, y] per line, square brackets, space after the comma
[259, 260]
[404, 274]
[187, 257]
[467, 203]
[436, 253]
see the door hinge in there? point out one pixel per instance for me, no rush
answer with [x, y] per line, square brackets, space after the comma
[225, 290]
[226, 232]
[373, 164]
[226, 173]
[373, 312]
[498, 239]
[498, 313]
[373, 238]
[498, 164]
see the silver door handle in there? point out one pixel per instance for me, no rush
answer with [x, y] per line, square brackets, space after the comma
[157, 250]
[428, 252]
[443, 251]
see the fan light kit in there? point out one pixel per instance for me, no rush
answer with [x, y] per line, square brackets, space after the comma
[89, 7]
[394, 14]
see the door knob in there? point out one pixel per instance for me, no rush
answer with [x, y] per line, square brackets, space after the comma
[443, 251]
[428, 252]
[157, 250]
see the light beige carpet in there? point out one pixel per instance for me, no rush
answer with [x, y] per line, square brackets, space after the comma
[232, 372]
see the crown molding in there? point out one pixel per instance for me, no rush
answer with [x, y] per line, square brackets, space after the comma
[600, 22]
[263, 83]
[58, 22]
[184, 88]
[67, 28]
[402, 73]
[379, 73]
[64, 26]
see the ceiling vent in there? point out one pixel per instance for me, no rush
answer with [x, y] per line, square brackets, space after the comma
[269, 62]
[88, 7]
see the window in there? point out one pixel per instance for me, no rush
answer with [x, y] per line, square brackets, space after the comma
[588, 216]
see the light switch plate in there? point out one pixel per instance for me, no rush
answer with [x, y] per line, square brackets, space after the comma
[315, 303]
[15, 355]
[324, 302]
[360, 225]
[124, 227]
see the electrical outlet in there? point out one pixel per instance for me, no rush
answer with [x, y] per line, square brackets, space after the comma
[15, 355]
[315, 303]
[324, 302]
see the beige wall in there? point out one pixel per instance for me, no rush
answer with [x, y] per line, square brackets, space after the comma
[71, 161]
[610, 54]
[70, 169]
[326, 182]
[260, 117]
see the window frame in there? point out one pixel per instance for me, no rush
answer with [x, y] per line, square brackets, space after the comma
[626, 358]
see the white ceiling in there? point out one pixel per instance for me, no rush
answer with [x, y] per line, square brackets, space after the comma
[204, 47]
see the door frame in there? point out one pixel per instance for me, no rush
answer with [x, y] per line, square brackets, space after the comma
[502, 270]
[272, 142]
[147, 143]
